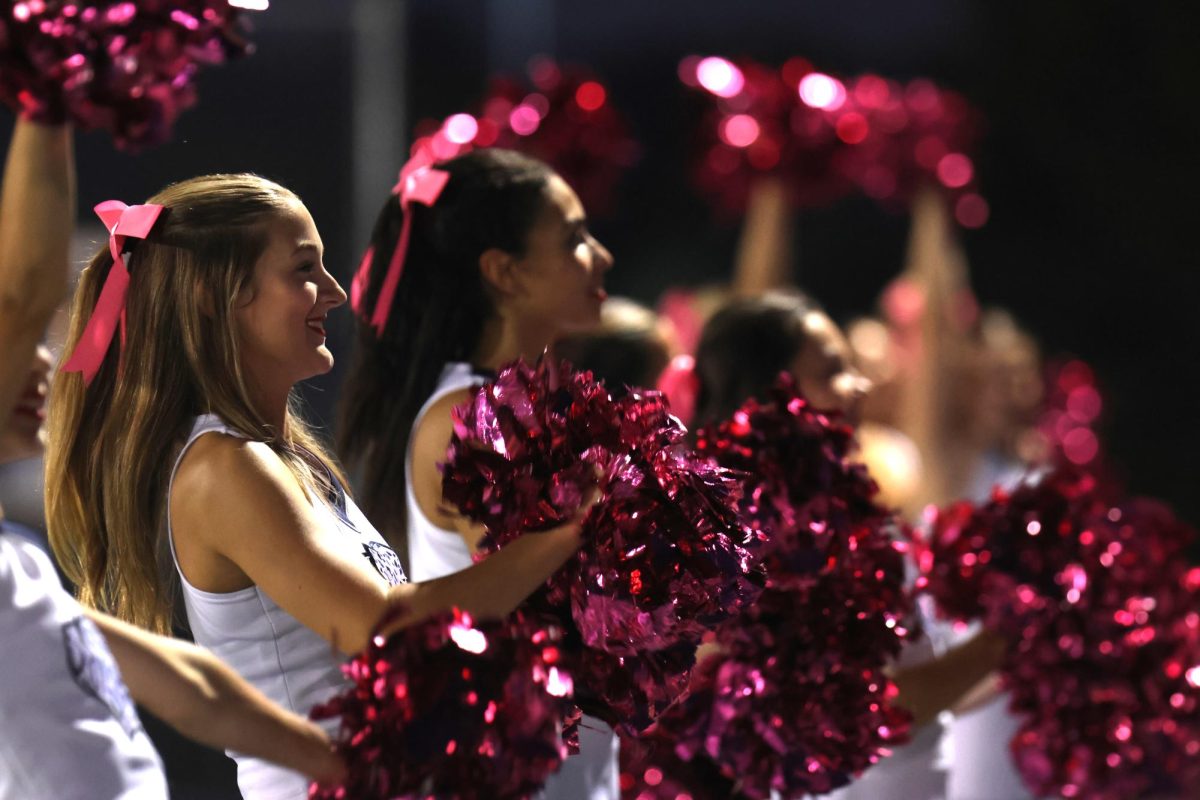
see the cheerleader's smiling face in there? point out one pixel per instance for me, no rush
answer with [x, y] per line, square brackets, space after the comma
[281, 316]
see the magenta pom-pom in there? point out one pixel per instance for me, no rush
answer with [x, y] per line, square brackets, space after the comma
[123, 66]
[796, 700]
[663, 557]
[826, 137]
[453, 708]
[562, 114]
[1100, 609]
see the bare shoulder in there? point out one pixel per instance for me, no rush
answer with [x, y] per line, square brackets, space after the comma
[220, 471]
[433, 433]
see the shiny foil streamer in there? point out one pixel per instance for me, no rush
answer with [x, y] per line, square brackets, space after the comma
[1102, 613]
[450, 708]
[795, 701]
[560, 113]
[826, 137]
[127, 68]
[664, 556]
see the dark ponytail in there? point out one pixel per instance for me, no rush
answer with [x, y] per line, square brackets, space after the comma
[492, 200]
[744, 347]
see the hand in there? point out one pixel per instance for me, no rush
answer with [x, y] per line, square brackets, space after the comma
[23, 435]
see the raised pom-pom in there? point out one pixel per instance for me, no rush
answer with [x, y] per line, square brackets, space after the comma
[120, 66]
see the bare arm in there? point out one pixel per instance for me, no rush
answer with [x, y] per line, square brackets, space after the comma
[764, 254]
[939, 684]
[191, 690]
[936, 266]
[235, 502]
[37, 212]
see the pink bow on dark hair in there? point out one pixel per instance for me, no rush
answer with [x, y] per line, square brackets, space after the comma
[420, 182]
[122, 222]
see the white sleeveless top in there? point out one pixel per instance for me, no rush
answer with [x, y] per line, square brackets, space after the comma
[289, 663]
[68, 729]
[433, 551]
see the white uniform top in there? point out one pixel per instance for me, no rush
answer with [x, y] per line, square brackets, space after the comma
[433, 551]
[270, 648]
[68, 729]
[978, 759]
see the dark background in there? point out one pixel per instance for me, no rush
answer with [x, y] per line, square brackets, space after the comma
[1087, 162]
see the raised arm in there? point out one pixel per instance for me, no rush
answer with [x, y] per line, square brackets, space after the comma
[241, 518]
[37, 213]
[192, 691]
[764, 254]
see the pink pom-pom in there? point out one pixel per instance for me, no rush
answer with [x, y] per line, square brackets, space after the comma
[452, 708]
[1099, 606]
[663, 557]
[796, 700]
[123, 67]
[561, 114]
[826, 137]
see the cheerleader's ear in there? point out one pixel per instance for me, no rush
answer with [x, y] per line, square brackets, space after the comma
[499, 271]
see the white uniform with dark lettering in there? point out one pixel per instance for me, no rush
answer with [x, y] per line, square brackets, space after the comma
[270, 648]
[592, 774]
[68, 729]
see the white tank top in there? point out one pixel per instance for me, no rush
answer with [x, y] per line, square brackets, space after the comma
[68, 729]
[289, 663]
[433, 551]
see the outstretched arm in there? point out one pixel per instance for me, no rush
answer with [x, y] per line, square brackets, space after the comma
[235, 503]
[195, 693]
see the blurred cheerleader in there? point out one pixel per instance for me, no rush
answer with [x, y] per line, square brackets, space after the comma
[743, 349]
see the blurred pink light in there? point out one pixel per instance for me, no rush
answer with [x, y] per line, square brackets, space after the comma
[1080, 446]
[524, 120]
[852, 128]
[740, 130]
[461, 128]
[688, 71]
[720, 76]
[971, 211]
[955, 170]
[590, 96]
[1084, 403]
[818, 90]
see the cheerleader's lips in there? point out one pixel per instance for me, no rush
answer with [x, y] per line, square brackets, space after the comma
[317, 324]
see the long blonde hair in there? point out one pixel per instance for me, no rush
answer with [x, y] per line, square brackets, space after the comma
[112, 444]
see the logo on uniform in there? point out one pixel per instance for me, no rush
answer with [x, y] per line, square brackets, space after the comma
[385, 561]
[95, 672]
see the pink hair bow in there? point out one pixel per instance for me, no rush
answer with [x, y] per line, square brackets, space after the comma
[420, 182]
[122, 222]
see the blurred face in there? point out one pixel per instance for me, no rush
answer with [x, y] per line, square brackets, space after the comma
[281, 316]
[23, 434]
[824, 369]
[561, 274]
